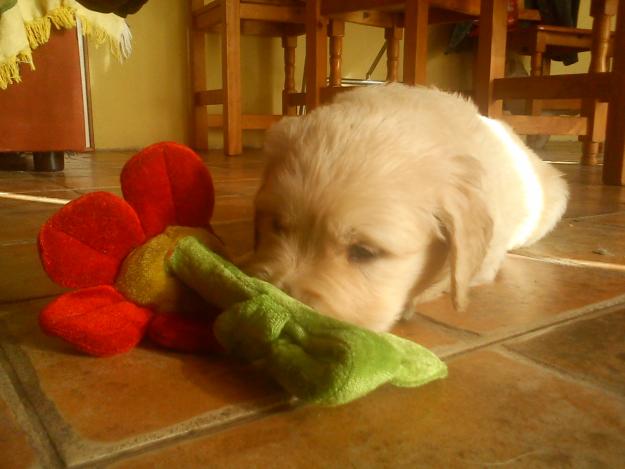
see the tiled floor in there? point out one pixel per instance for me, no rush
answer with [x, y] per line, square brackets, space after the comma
[537, 364]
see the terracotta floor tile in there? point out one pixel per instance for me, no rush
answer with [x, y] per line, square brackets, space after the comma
[492, 410]
[498, 407]
[225, 173]
[117, 190]
[147, 394]
[16, 450]
[595, 200]
[250, 158]
[29, 184]
[100, 179]
[528, 292]
[576, 174]
[591, 348]
[245, 187]
[582, 240]
[564, 151]
[238, 236]
[26, 218]
[231, 208]
[21, 274]
[615, 219]
[430, 335]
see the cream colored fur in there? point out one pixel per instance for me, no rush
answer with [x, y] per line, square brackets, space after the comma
[391, 195]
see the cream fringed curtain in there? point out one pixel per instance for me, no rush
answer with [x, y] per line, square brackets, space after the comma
[26, 24]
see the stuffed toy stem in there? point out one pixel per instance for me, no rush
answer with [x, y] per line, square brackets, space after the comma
[314, 357]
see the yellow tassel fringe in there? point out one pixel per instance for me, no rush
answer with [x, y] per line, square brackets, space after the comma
[38, 33]
[10, 70]
[98, 37]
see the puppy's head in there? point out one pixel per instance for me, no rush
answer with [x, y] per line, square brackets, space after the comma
[356, 227]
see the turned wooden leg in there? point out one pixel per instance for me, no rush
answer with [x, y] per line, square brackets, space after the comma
[533, 107]
[336, 32]
[316, 53]
[614, 154]
[49, 160]
[231, 76]
[416, 42]
[595, 111]
[199, 113]
[289, 43]
[392, 35]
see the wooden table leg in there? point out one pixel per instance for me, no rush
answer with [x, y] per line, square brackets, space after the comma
[231, 76]
[289, 44]
[392, 36]
[416, 42]
[596, 111]
[316, 53]
[199, 116]
[491, 58]
[336, 32]
[614, 153]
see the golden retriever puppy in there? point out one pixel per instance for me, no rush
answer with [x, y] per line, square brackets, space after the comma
[391, 195]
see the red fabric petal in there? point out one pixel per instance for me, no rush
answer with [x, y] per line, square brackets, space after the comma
[98, 320]
[84, 243]
[184, 333]
[168, 184]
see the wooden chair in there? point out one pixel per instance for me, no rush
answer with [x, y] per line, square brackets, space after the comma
[233, 18]
[400, 18]
[540, 42]
[597, 86]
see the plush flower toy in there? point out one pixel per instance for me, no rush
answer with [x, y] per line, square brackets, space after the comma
[111, 251]
[146, 265]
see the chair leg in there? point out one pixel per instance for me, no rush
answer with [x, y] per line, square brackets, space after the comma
[336, 32]
[199, 114]
[231, 76]
[533, 107]
[289, 43]
[614, 154]
[416, 42]
[595, 111]
[392, 36]
[316, 53]
[491, 56]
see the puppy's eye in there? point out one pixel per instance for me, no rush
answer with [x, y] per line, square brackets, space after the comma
[360, 253]
[277, 226]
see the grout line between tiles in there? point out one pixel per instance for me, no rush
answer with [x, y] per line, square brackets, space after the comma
[498, 342]
[155, 445]
[504, 335]
[560, 373]
[598, 215]
[33, 198]
[567, 262]
[458, 332]
[26, 416]
[76, 451]
[26, 300]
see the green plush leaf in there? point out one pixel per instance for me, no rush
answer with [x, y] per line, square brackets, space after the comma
[314, 357]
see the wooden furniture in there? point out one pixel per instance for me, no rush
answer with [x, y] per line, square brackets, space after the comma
[597, 85]
[400, 18]
[413, 16]
[539, 41]
[233, 18]
[49, 111]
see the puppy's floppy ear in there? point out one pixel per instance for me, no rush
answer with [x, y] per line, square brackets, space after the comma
[468, 224]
